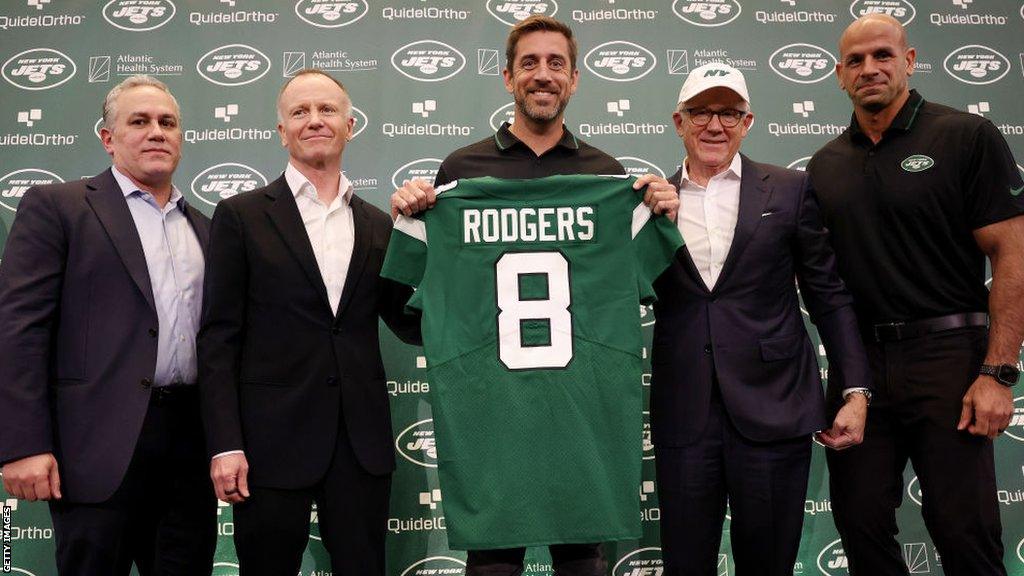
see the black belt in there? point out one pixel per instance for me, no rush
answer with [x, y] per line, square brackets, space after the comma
[895, 331]
[171, 392]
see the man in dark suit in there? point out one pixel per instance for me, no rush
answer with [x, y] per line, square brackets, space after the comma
[736, 391]
[100, 295]
[294, 397]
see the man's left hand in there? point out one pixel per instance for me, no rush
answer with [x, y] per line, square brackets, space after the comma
[987, 408]
[661, 197]
[848, 428]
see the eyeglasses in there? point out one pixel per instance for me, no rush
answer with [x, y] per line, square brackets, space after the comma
[729, 118]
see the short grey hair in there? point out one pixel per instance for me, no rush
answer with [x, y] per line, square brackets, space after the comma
[136, 81]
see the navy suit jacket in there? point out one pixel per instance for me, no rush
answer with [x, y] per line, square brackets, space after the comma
[279, 372]
[749, 331]
[78, 333]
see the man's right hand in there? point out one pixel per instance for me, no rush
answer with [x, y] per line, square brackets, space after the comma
[230, 475]
[33, 478]
[413, 197]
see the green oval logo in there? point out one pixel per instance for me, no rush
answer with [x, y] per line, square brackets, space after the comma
[917, 163]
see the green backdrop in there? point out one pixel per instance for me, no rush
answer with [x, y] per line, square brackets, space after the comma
[424, 76]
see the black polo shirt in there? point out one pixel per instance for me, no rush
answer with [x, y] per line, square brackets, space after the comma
[505, 156]
[901, 212]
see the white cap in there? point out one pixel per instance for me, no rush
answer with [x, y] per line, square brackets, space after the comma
[712, 75]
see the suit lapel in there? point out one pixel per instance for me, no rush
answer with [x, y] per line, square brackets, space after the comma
[200, 226]
[284, 214]
[362, 240]
[683, 254]
[108, 202]
[754, 195]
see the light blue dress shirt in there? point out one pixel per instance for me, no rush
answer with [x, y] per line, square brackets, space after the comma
[175, 262]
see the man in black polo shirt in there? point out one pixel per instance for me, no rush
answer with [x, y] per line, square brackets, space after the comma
[915, 195]
[541, 75]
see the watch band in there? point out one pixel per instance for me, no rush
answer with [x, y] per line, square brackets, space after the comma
[862, 391]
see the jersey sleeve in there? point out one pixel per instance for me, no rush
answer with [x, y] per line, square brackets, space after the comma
[993, 185]
[406, 258]
[655, 242]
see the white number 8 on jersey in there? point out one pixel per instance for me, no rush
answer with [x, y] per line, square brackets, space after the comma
[513, 351]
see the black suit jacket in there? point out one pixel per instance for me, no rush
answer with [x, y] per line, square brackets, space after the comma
[748, 330]
[278, 371]
[78, 332]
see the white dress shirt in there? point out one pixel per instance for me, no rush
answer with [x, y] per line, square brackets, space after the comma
[330, 230]
[707, 218]
[174, 260]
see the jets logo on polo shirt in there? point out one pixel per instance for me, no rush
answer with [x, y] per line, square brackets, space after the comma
[917, 163]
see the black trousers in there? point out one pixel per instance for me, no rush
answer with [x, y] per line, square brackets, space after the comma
[272, 525]
[163, 517]
[919, 385]
[764, 483]
[566, 560]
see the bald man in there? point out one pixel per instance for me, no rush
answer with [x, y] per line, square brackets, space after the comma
[916, 195]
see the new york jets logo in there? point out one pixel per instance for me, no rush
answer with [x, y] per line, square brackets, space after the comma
[361, 121]
[512, 11]
[802, 63]
[436, 566]
[640, 562]
[799, 164]
[138, 15]
[914, 491]
[506, 113]
[38, 69]
[428, 61]
[416, 444]
[14, 184]
[638, 166]
[901, 10]
[976, 64]
[1016, 428]
[707, 12]
[422, 169]
[233, 65]
[832, 559]
[620, 61]
[223, 181]
[331, 13]
[917, 163]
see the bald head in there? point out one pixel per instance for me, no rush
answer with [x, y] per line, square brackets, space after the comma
[875, 63]
[872, 22]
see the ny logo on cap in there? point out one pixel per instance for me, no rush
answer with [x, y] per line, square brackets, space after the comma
[714, 72]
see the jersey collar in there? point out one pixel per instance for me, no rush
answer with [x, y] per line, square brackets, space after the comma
[903, 121]
[505, 139]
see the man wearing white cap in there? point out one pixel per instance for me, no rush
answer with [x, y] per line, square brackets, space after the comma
[736, 389]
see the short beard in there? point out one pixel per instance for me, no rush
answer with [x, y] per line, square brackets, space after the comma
[540, 116]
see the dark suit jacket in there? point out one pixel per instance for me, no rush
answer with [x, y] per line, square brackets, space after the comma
[278, 371]
[749, 330]
[78, 333]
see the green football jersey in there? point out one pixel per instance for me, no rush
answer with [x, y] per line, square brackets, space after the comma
[529, 292]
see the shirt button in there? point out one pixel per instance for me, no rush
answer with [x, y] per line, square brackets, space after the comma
[707, 348]
[181, 338]
[153, 332]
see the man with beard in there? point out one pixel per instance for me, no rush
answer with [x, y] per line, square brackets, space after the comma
[541, 75]
[916, 195]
